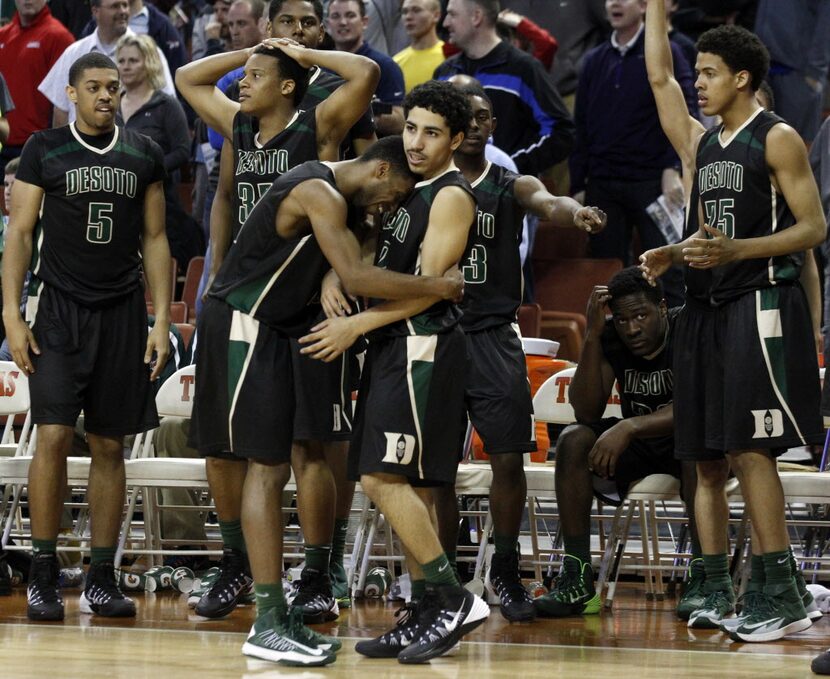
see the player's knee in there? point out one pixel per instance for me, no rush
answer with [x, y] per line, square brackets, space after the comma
[271, 475]
[712, 473]
[574, 444]
[508, 468]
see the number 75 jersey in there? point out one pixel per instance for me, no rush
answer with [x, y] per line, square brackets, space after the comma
[88, 236]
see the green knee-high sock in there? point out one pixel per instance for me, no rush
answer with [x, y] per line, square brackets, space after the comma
[270, 597]
[338, 541]
[439, 572]
[578, 546]
[756, 573]
[777, 569]
[39, 546]
[99, 554]
[317, 557]
[717, 572]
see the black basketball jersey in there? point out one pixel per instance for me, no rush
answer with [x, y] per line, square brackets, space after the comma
[88, 236]
[738, 198]
[492, 266]
[256, 166]
[321, 84]
[399, 249]
[277, 281]
[646, 385]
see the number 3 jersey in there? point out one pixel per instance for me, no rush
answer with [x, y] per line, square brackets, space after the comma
[737, 197]
[491, 265]
[88, 237]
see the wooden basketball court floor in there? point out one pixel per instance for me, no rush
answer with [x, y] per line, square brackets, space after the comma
[639, 639]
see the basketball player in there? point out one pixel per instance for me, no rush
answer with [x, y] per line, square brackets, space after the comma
[410, 413]
[497, 391]
[260, 298]
[746, 377]
[271, 135]
[94, 193]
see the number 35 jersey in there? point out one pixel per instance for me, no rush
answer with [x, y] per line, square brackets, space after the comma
[491, 265]
[88, 237]
[737, 197]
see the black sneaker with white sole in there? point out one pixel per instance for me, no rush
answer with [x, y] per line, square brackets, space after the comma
[44, 595]
[102, 596]
[233, 583]
[447, 613]
[315, 598]
[391, 643]
[504, 579]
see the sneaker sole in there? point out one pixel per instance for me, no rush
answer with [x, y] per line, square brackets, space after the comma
[86, 606]
[33, 614]
[792, 628]
[815, 615]
[219, 613]
[492, 598]
[479, 612]
[379, 651]
[704, 623]
[288, 658]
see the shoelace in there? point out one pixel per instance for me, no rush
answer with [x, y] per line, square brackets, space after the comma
[763, 607]
[716, 599]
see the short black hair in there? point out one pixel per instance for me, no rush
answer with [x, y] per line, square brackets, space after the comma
[740, 49]
[276, 6]
[87, 61]
[288, 69]
[491, 9]
[766, 88]
[443, 99]
[475, 89]
[392, 151]
[630, 281]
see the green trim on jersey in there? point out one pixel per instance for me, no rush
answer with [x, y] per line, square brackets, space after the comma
[130, 150]
[773, 339]
[246, 295]
[746, 138]
[69, 147]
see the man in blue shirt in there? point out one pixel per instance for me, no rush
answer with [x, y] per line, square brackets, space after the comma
[346, 23]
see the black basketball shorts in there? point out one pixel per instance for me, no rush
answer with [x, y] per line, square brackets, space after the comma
[92, 360]
[746, 376]
[410, 418]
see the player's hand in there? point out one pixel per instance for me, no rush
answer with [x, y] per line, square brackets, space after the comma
[334, 300]
[454, 280]
[158, 342]
[707, 253]
[20, 339]
[595, 313]
[654, 263]
[291, 48]
[590, 219]
[329, 338]
[602, 460]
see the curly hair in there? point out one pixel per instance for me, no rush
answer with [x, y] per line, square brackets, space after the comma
[740, 49]
[630, 281]
[443, 99]
[288, 69]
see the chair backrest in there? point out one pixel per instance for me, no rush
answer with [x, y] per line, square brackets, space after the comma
[14, 389]
[191, 283]
[175, 396]
[552, 403]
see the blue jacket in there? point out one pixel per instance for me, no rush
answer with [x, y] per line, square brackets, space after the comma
[534, 126]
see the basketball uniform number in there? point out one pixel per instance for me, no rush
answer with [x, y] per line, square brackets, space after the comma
[99, 223]
[249, 196]
[719, 215]
[475, 270]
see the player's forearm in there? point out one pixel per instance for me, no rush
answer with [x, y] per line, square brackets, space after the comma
[156, 255]
[205, 72]
[370, 281]
[220, 230]
[659, 63]
[559, 210]
[660, 423]
[16, 257]
[586, 392]
[390, 312]
[358, 71]
[801, 236]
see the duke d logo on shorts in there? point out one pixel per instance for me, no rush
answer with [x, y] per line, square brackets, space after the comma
[399, 448]
[768, 423]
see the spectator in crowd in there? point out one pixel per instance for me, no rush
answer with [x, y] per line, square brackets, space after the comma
[425, 52]
[683, 41]
[146, 109]
[577, 27]
[622, 159]
[385, 30]
[147, 19]
[112, 17]
[246, 23]
[528, 36]
[347, 23]
[820, 162]
[796, 35]
[535, 127]
[210, 30]
[29, 46]
[73, 14]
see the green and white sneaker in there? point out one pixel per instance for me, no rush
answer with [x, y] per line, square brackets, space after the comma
[748, 603]
[693, 594]
[572, 593]
[810, 605]
[340, 584]
[775, 614]
[285, 641]
[716, 606]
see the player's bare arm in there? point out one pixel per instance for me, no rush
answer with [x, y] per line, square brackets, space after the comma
[16, 258]
[602, 459]
[197, 83]
[343, 108]
[594, 378]
[155, 253]
[451, 214]
[791, 175]
[562, 211]
[682, 130]
[220, 213]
